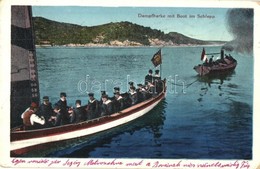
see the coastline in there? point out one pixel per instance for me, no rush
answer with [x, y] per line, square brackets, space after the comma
[124, 46]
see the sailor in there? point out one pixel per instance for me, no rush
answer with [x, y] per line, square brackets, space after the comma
[126, 98]
[157, 75]
[140, 93]
[133, 95]
[149, 78]
[157, 82]
[211, 61]
[65, 114]
[46, 111]
[79, 114]
[56, 118]
[30, 118]
[131, 84]
[92, 107]
[107, 107]
[149, 92]
[117, 89]
[102, 94]
[222, 54]
[118, 102]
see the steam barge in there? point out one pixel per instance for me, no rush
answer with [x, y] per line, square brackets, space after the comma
[209, 67]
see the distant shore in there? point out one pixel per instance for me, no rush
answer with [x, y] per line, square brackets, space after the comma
[130, 46]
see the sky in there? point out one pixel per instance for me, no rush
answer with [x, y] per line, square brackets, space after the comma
[199, 27]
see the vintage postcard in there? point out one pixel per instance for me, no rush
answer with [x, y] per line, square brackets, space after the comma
[130, 85]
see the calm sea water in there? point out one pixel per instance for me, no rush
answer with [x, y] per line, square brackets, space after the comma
[201, 118]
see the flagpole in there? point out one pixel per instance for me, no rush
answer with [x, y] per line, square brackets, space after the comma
[161, 65]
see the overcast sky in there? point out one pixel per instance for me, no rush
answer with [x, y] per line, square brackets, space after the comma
[214, 28]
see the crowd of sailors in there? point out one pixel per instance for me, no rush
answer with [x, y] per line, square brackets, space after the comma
[60, 113]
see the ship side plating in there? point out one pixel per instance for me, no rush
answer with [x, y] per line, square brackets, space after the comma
[24, 76]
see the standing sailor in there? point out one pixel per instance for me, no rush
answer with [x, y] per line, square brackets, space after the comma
[149, 78]
[157, 82]
[62, 103]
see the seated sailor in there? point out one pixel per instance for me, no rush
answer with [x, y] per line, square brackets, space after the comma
[102, 94]
[118, 102]
[92, 107]
[30, 119]
[45, 110]
[133, 95]
[79, 113]
[149, 91]
[131, 84]
[116, 89]
[107, 106]
[140, 93]
[56, 118]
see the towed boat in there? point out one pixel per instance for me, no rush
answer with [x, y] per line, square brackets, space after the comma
[23, 141]
[223, 65]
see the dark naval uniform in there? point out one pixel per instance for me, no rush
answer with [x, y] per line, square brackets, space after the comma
[148, 78]
[107, 106]
[65, 117]
[46, 111]
[93, 109]
[79, 115]
[118, 102]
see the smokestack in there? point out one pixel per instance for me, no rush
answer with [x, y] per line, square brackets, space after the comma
[240, 24]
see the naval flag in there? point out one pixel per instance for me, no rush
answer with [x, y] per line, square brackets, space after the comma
[204, 57]
[203, 54]
[157, 58]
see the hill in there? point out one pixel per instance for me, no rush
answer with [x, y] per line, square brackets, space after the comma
[48, 32]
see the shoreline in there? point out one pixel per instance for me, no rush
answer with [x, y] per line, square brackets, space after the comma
[122, 46]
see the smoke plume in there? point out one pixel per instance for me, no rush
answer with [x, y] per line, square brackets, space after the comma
[240, 24]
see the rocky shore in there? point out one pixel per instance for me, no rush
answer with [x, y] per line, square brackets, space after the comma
[127, 43]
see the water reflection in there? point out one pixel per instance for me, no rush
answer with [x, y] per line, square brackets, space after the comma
[215, 80]
[232, 129]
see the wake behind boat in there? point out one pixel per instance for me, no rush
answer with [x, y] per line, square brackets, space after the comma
[222, 65]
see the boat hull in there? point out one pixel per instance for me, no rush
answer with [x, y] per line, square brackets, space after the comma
[25, 141]
[203, 70]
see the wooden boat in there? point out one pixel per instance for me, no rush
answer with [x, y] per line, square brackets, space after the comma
[219, 66]
[215, 68]
[23, 141]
